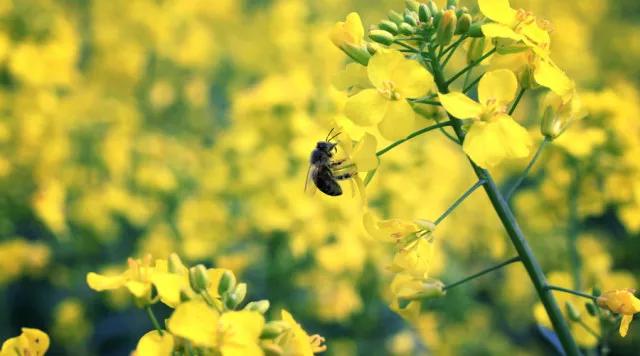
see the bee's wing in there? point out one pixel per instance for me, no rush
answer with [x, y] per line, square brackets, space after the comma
[310, 188]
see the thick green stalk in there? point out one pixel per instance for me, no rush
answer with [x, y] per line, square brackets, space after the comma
[510, 224]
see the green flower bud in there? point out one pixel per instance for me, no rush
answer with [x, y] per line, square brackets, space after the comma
[591, 308]
[475, 30]
[233, 299]
[372, 47]
[464, 23]
[559, 113]
[407, 29]
[572, 312]
[433, 7]
[260, 306]
[424, 14]
[227, 282]
[388, 26]
[395, 17]
[273, 329]
[175, 264]
[461, 11]
[198, 278]
[412, 5]
[446, 28]
[381, 36]
[476, 49]
[410, 18]
[596, 292]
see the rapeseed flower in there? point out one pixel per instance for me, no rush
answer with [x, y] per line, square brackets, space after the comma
[623, 302]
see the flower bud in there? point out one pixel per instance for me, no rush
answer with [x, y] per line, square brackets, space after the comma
[233, 299]
[461, 11]
[260, 306]
[372, 48]
[348, 36]
[572, 312]
[381, 36]
[463, 25]
[388, 26]
[446, 28]
[407, 29]
[227, 282]
[591, 308]
[596, 291]
[476, 49]
[432, 7]
[198, 278]
[273, 329]
[412, 5]
[424, 14]
[175, 264]
[475, 30]
[558, 113]
[410, 18]
[395, 17]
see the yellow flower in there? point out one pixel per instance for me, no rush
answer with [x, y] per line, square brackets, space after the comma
[29, 342]
[559, 113]
[406, 287]
[195, 321]
[137, 278]
[395, 78]
[414, 259]
[349, 37]
[154, 344]
[395, 230]
[515, 25]
[493, 135]
[623, 302]
[296, 342]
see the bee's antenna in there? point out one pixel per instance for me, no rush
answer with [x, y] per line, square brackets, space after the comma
[329, 134]
[334, 136]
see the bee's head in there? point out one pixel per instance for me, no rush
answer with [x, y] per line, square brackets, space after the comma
[325, 146]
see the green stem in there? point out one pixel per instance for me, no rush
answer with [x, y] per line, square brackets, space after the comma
[588, 329]
[411, 48]
[471, 65]
[571, 291]
[426, 101]
[459, 201]
[412, 135]
[153, 319]
[483, 272]
[518, 239]
[526, 171]
[517, 101]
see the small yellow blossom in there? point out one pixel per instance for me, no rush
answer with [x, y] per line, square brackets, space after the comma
[154, 344]
[349, 37]
[296, 341]
[623, 302]
[559, 113]
[493, 135]
[29, 342]
[395, 78]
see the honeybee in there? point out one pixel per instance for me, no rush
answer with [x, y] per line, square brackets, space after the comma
[322, 167]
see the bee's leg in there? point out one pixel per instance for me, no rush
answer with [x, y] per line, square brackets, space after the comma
[336, 163]
[344, 176]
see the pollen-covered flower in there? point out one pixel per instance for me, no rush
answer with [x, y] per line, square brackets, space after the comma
[623, 302]
[395, 78]
[29, 342]
[349, 37]
[493, 135]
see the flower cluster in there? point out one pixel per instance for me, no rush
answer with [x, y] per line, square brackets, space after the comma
[207, 316]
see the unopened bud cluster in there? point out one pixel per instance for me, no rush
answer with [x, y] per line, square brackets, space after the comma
[426, 21]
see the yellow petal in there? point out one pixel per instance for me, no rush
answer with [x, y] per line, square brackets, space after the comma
[38, 340]
[460, 105]
[398, 120]
[499, 85]
[496, 30]
[382, 66]
[366, 108]
[215, 274]
[350, 32]
[196, 321]
[498, 10]
[354, 77]
[549, 75]
[364, 154]
[99, 282]
[241, 331]
[169, 286]
[624, 324]
[154, 344]
[488, 143]
[138, 289]
[535, 36]
[370, 223]
[411, 79]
